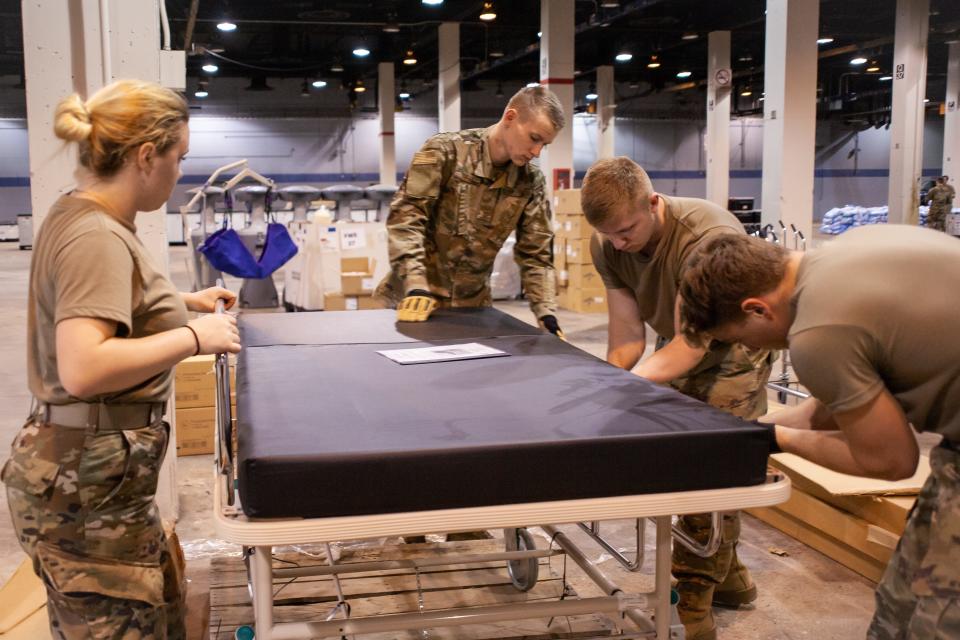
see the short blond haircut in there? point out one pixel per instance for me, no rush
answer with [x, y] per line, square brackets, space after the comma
[610, 185]
[119, 118]
[539, 100]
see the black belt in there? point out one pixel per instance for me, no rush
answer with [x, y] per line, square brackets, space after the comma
[105, 417]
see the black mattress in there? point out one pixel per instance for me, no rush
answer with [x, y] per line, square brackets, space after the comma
[329, 427]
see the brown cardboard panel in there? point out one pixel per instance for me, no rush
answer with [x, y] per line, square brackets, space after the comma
[362, 264]
[195, 383]
[583, 276]
[567, 201]
[21, 597]
[369, 302]
[559, 253]
[357, 284]
[576, 227]
[578, 252]
[584, 300]
[196, 430]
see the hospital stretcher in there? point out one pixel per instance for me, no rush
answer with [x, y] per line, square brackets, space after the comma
[337, 442]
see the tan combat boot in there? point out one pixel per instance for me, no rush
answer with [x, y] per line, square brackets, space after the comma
[737, 588]
[694, 610]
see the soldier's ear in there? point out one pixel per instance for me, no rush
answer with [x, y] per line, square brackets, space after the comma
[510, 115]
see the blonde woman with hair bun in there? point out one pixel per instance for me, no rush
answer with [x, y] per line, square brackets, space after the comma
[104, 329]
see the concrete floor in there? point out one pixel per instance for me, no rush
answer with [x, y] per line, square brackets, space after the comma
[803, 594]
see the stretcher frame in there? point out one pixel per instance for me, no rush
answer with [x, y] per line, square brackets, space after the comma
[259, 536]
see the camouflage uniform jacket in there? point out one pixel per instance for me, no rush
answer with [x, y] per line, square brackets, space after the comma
[452, 214]
[941, 196]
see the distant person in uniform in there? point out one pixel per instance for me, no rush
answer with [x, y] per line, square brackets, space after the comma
[640, 252]
[867, 319]
[940, 198]
[104, 329]
[463, 195]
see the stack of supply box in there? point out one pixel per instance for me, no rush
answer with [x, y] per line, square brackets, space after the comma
[357, 284]
[195, 392]
[579, 287]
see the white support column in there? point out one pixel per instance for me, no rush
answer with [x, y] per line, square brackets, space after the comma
[448, 86]
[716, 141]
[790, 113]
[386, 100]
[606, 108]
[906, 126]
[951, 120]
[556, 73]
[66, 55]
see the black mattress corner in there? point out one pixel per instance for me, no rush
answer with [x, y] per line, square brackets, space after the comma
[328, 427]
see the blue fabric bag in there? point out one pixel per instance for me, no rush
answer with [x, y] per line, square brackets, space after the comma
[224, 249]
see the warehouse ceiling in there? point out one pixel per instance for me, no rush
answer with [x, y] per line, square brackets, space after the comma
[307, 40]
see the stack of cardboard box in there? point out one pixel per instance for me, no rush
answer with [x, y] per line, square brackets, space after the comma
[357, 284]
[195, 392]
[579, 287]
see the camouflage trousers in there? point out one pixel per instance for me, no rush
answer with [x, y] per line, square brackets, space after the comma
[82, 503]
[736, 385]
[918, 597]
[937, 217]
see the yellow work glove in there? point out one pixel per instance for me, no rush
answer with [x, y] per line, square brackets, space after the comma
[550, 324]
[416, 307]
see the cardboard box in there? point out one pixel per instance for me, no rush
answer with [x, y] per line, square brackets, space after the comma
[567, 201]
[362, 264]
[369, 302]
[337, 301]
[583, 276]
[357, 284]
[196, 431]
[584, 300]
[576, 227]
[578, 252]
[195, 382]
[559, 253]
[356, 276]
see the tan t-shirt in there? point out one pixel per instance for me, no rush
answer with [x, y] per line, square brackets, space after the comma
[87, 263]
[879, 307]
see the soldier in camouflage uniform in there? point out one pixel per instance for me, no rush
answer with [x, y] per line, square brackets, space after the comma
[104, 328]
[940, 198]
[867, 347]
[640, 253]
[463, 195]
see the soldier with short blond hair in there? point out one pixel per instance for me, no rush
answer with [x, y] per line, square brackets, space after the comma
[464, 193]
[641, 251]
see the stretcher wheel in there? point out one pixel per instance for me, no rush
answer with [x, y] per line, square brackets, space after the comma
[523, 573]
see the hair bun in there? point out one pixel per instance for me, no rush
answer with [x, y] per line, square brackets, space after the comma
[72, 120]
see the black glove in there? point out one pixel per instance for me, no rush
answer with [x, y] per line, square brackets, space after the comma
[772, 434]
[550, 324]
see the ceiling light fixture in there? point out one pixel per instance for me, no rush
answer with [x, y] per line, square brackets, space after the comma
[654, 63]
[531, 85]
[410, 58]
[624, 56]
[210, 67]
[610, 4]
[304, 90]
[684, 74]
[874, 67]
[488, 13]
[499, 93]
[227, 26]
[200, 93]
[319, 84]
[361, 52]
[926, 100]
[885, 78]
[591, 92]
[336, 67]
[496, 53]
[824, 40]
[358, 86]
[690, 36]
[858, 61]
[391, 27]
[747, 92]
[432, 3]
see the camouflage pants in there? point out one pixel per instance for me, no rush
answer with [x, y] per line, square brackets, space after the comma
[919, 595]
[737, 386]
[937, 217]
[83, 510]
